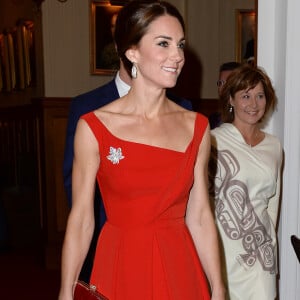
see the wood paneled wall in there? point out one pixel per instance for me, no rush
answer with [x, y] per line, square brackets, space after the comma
[32, 139]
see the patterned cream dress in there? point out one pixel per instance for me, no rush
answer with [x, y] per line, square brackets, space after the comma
[245, 189]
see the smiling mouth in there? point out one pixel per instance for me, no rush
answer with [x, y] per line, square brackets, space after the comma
[252, 113]
[172, 70]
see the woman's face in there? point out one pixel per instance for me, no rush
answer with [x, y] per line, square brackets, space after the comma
[249, 105]
[160, 53]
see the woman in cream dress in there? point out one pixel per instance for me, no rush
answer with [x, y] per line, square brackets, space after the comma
[245, 185]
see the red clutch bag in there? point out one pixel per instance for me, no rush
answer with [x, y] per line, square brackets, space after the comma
[84, 291]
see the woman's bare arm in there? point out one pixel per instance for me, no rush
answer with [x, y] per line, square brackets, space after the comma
[80, 225]
[200, 221]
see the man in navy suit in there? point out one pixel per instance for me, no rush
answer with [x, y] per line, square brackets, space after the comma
[80, 105]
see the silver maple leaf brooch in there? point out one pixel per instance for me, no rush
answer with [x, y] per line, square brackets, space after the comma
[115, 155]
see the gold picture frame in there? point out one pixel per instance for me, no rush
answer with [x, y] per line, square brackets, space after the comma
[103, 56]
[246, 35]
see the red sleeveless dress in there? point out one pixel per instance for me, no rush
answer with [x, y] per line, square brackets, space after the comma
[145, 251]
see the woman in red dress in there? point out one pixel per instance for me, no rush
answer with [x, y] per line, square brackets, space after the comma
[150, 158]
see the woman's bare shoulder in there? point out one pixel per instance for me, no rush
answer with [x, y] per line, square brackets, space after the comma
[112, 106]
[108, 111]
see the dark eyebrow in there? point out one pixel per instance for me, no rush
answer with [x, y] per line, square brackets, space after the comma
[169, 38]
[163, 37]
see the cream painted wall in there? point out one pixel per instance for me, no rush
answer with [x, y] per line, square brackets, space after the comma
[210, 33]
[278, 53]
[66, 49]
[212, 36]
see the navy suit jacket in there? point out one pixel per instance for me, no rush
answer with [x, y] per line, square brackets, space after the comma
[80, 105]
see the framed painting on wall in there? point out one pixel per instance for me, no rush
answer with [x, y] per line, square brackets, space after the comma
[246, 36]
[103, 56]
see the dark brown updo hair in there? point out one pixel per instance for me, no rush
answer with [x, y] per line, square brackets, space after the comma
[245, 77]
[133, 22]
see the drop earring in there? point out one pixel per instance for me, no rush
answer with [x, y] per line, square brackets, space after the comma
[134, 71]
[231, 109]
